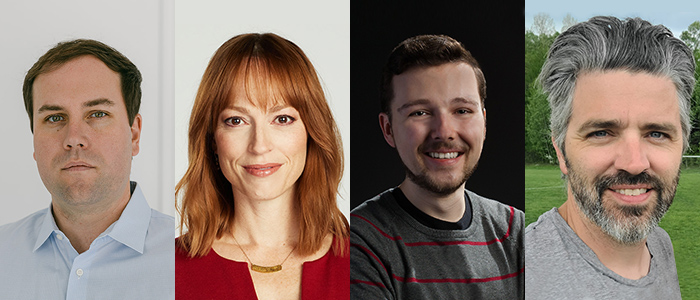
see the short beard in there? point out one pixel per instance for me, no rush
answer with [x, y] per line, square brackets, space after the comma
[427, 183]
[626, 224]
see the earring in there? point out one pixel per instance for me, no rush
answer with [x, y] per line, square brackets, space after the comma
[216, 160]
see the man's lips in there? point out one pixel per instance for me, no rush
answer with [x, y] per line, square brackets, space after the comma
[444, 154]
[632, 194]
[77, 166]
[262, 170]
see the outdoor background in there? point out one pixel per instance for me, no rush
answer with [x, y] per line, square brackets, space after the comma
[544, 188]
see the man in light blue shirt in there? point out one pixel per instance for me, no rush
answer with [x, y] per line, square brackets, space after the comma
[98, 239]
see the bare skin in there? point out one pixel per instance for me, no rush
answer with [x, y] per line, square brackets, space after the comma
[268, 230]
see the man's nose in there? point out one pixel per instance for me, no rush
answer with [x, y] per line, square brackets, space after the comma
[631, 155]
[76, 135]
[442, 127]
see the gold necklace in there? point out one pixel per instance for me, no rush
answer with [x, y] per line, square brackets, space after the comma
[263, 269]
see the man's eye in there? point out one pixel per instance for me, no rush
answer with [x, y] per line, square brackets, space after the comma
[418, 113]
[657, 135]
[463, 111]
[285, 119]
[598, 134]
[54, 118]
[98, 114]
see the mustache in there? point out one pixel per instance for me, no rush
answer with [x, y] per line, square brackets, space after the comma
[429, 146]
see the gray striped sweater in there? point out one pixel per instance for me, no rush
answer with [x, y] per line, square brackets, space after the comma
[393, 256]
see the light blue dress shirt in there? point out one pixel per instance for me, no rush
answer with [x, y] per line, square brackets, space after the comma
[132, 259]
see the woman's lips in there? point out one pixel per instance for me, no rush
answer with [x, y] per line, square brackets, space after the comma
[262, 170]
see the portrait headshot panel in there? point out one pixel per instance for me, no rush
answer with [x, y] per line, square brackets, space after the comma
[320, 29]
[492, 32]
[140, 31]
[545, 20]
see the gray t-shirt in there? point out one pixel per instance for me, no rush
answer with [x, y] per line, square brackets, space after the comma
[559, 265]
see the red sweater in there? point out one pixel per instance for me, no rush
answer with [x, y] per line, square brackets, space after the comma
[215, 277]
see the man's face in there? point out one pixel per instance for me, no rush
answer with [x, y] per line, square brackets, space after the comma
[623, 150]
[83, 142]
[437, 125]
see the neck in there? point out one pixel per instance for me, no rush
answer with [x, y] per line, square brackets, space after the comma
[83, 223]
[269, 222]
[448, 208]
[628, 261]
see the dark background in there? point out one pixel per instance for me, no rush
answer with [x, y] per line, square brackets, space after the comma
[494, 33]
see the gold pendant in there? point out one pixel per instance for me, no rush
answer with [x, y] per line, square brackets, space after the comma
[263, 269]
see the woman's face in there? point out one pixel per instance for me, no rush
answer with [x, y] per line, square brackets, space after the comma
[262, 151]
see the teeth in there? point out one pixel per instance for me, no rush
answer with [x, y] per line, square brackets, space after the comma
[441, 155]
[631, 192]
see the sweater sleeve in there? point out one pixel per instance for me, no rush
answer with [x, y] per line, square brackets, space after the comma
[369, 278]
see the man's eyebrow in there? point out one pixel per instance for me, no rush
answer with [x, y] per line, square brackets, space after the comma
[412, 103]
[599, 124]
[96, 102]
[48, 107]
[467, 100]
[665, 127]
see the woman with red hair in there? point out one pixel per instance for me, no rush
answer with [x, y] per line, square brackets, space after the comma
[258, 201]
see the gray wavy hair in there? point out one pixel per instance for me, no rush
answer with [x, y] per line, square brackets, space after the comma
[608, 43]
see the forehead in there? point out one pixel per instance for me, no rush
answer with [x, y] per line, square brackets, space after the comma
[625, 96]
[79, 80]
[438, 84]
[255, 86]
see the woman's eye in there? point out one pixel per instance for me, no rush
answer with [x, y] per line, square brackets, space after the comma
[284, 119]
[234, 121]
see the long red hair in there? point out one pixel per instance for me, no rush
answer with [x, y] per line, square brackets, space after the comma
[270, 68]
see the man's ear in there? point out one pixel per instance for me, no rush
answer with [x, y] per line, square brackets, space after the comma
[135, 135]
[560, 158]
[385, 124]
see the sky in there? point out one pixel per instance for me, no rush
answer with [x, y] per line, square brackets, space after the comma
[674, 14]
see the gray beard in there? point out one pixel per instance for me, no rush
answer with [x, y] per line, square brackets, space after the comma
[627, 225]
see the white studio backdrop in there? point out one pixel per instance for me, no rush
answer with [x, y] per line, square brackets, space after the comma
[143, 32]
[320, 28]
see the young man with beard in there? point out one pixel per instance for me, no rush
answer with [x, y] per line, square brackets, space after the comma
[620, 93]
[430, 238]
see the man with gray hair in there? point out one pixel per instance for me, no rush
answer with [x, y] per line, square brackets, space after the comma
[619, 91]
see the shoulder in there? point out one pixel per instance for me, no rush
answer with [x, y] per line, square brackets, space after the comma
[496, 213]
[27, 225]
[660, 244]
[374, 213]
[543, 231]
[162, 220]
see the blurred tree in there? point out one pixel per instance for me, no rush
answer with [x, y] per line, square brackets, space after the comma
[691, 37]
[568, 22]
[543, 24]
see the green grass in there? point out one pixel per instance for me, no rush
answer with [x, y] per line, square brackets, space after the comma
[545, 189]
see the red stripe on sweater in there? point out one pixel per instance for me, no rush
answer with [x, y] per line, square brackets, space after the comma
[447, 243]
[370, 253]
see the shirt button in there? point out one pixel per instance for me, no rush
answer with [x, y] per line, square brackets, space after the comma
[59, 237]
[79, 272]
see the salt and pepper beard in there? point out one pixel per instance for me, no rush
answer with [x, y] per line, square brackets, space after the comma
[423, 180]
[626, 224]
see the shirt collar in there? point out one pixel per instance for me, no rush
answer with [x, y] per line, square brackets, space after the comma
[47, 227]
[130, 229]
